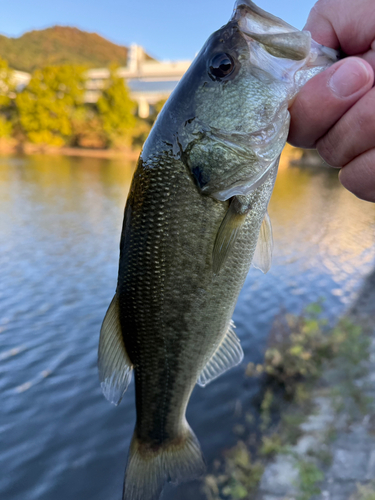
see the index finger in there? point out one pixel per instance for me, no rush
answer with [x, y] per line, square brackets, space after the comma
[345, 24]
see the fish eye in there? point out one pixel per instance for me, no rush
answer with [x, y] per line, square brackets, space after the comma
[221, 65]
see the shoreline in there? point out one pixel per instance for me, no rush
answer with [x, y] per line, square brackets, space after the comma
[10, 147]
[290, 156]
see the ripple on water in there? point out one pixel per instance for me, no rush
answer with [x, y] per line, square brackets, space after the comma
[58, 254]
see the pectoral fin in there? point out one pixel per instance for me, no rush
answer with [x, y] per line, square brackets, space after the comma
[228, 354]
[263, 253]
[228, 233]
[115, 368]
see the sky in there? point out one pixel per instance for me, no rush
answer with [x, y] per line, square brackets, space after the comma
[167, 29]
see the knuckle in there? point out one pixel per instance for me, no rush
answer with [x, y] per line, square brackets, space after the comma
[329, 149]
[358, 176]
[352, 135]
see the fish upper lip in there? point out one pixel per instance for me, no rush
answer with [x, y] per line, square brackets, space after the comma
[262, 21]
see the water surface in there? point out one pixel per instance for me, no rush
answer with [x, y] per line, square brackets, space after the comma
[60, 223]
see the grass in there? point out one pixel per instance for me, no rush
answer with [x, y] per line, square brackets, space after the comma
[309, 478]
[238, 479]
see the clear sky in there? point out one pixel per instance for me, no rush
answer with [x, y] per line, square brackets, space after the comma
[167, 29]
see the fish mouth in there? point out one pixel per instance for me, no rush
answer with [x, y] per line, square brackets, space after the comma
[252, 18]
[268, 35]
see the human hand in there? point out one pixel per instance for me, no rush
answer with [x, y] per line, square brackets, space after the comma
[335, 111]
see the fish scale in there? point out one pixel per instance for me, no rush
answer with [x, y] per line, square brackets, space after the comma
[169, 324]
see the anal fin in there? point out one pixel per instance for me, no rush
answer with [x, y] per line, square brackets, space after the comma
[228, 354]
[115, 368]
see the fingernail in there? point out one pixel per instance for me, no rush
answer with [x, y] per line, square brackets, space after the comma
[350, 77]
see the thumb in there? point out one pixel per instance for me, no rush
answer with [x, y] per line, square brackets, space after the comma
[325, 98]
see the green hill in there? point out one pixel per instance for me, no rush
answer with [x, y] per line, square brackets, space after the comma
[60, 45]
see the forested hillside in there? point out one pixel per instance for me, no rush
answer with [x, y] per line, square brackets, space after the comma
[60, 45]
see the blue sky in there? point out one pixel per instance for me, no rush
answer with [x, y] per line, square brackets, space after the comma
[167, 29]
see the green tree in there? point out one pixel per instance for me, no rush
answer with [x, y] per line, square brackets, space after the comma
[88, 129]
[143, 125]
[47, 105]
[7, 94]
[115, 110]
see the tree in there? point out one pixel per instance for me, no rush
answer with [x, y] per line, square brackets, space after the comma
[7, 94]
[115, 110]
[143, 125]
[46, 106]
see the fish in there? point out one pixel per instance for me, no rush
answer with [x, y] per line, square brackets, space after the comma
[195, 220]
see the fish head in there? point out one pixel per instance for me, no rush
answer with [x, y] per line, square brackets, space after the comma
[228, 118]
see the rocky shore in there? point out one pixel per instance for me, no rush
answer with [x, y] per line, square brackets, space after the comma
[334, 457]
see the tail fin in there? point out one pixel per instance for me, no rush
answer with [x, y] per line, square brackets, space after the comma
[148, 470]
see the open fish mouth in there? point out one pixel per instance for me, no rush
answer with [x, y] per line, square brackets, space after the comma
[290, 48]
[253, 19]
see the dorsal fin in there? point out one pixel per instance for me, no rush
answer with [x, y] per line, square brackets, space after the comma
[115, 368]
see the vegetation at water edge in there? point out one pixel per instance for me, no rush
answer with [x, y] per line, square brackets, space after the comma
[300, 350]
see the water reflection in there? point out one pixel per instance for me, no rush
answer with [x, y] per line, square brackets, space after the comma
[331, 230]
[59, 233]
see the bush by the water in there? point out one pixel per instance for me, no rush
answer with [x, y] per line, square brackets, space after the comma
[50, 110]
[299, 346]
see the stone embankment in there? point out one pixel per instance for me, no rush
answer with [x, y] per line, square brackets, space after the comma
[337, 442]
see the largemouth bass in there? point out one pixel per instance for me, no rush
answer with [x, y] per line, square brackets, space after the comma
[195, 212]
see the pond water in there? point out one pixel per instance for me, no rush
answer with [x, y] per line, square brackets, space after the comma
[60, 222]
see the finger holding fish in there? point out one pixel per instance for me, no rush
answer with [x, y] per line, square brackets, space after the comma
[352, 135]
[358, 176]
[335, 111]
[326, 98]
[343, 24]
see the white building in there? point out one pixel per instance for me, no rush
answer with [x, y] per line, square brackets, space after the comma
[20, 79]
[149, 81]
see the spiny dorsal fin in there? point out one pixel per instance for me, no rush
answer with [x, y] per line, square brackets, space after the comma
[263, 253]
[115, 368]
[228, 354]
[228, 233]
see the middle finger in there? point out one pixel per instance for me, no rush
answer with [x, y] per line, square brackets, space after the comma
[352, 135]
